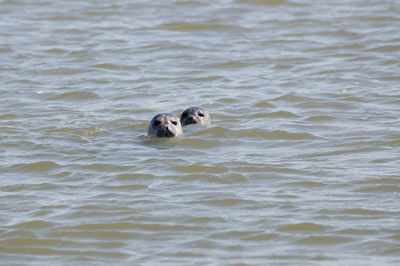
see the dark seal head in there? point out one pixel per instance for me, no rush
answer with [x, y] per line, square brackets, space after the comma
[195, 115]
[165, 125]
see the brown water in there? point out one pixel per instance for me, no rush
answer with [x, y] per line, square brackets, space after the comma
[299, 167]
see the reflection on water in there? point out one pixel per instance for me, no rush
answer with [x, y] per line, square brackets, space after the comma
[299, 166]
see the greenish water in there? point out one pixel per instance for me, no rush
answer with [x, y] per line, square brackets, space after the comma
[299, 167]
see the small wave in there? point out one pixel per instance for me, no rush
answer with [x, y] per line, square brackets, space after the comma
[109, 66]
[199, 143]
[35, 224]
[232, 178]
[33, 241]
[353, 231]
[261, 237]
[307, 184]
[52, 249]
[230, 64]
[5, 50]
[291, 97]
[186, 26]
[359, 211]
[225, 202]
[135, 176]
[104, 167]
[302, 227]
[189, 3]
[382, 188]
[65, 71]
[110, 228]
[384, 48]
[318, 118]
[61, 18]
[56, 51]
[196, 168]
[8, 116]
[38, 166]
[275, 134]
[229, 178]
[389, 181]
[278, 114]
[263, 104]
[30, 187]
[227, 100]
[324, 240]
[259, 170]
[75, 95]
[62, 129]
[262, 2]
[236, 234]
[79, 53]
[122, 187]
[342, 152]
[203, 79]
[381, 18]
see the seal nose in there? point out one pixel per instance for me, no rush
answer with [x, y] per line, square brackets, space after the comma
[165, 132]
[168, 132]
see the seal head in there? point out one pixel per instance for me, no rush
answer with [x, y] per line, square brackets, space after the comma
[165, 125]
[195, 115]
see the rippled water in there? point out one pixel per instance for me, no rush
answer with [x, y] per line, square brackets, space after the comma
[299, 167]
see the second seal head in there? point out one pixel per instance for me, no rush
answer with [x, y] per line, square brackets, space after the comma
[195, 115]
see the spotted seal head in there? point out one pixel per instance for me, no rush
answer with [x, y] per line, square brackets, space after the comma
[195, 115]
[165, 125]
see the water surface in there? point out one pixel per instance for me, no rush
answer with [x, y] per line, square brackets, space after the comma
[299, 167]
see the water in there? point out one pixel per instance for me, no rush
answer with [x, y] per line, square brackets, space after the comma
[299, 167]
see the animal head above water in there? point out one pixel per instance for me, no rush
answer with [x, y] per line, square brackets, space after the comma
[195, 115]
[165, 125]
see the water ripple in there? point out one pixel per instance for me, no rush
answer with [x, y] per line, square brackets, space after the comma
[75, 96]
[300, 165]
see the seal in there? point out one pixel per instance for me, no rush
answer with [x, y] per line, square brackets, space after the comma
[195, 115]
[165, 125]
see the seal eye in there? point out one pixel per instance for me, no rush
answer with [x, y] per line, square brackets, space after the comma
[174, 123]
[156, 123]
[201, 114]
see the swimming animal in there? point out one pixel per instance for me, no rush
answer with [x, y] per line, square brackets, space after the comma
[165, 125]
[195, 115]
